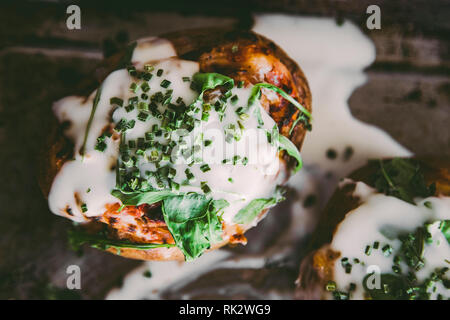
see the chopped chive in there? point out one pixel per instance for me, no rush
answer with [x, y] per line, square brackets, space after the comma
[149, 68]
[130, 124]
[129, 108]
[133, 100]
[368, 250]
[189, 175]
[205, 188]
[116, 101]
[132, 71]
[171, 173]
[147, 76]
[134, 87]
[207, 142]
[159, 72]
[205, 116]
[387, 250]
[149, 136]
[145, 87]
[84, 207]
[240, 84]
[205, 168]
[230, 180]
[186, 79]
[165, 83]
[142, 116]
[330, 286]
[143, 106]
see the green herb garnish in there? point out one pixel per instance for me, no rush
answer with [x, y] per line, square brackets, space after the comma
[402, 178]
[77, 238]
[193, 222]
[91, 118]
[251, 211]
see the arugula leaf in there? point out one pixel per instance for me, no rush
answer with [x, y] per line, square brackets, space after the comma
[206, 81]
[193, 222]
[402, 178]
[251, 211]
[138, 198]
[291, 149]
[91, 118]
[445, 229]
[256, 93]
[412, 248]
[77, 238]
[392, 287]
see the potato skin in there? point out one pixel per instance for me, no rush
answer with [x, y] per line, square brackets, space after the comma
[316, 268]
[204, 46]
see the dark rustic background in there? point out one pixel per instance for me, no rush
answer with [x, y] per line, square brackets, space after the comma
[408, 95]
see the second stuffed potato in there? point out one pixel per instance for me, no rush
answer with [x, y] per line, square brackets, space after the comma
[385, 234]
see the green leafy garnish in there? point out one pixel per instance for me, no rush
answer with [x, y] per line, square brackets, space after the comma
[445, 229]
[193, 222]
[402, 178]
[77, 238]
[138, 198]
[291, 149]
[251, 211]
[412, 248]
[256, 94]
[207, 81]
[392, 287]
[91, 117]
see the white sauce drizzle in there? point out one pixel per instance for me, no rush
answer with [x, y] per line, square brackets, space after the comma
[380, 214]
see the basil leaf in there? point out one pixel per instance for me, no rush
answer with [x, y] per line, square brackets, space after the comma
[206, 81]
[445, 228]
[402, 178]
[138, 198]
[254, 208]
[77, 238]
[291, 149]
[193, 222]
[91, 118]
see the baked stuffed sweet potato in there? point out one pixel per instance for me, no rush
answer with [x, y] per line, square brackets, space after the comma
[383, 235]
[128, 161]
